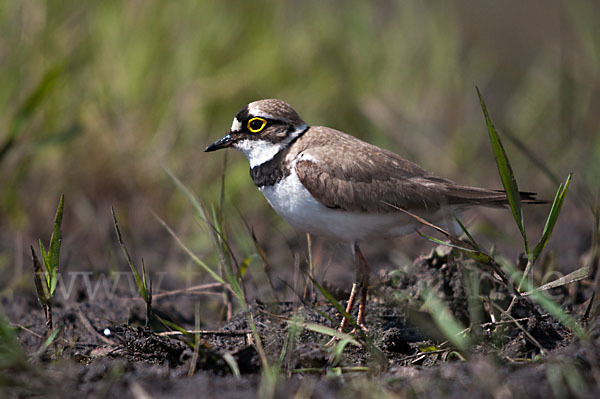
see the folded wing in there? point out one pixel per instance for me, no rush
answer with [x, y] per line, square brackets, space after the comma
[380, 181]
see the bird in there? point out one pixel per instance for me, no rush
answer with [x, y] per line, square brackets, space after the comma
[331, 184]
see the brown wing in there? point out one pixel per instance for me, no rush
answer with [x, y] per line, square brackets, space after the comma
[357, 176]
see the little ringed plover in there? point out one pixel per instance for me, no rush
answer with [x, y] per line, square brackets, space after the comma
[328, 183]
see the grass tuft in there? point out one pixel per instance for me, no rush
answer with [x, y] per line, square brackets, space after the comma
[470, 248]
[46, 277]
[512, 192]
[229, 278]
[506, 173]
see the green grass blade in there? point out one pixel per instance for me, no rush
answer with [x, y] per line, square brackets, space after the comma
[49, 340]
[55, 242]
[41, 285]
[447, 244]
[30, 106]
[11, 351]
[445, 321]
[145, 293]
[378, 356]
[197, 260]
[217, 231]
[552, 217]
[46, 270]
[506, 174]
[189, 338]
[338, 350]
[215, 234]
[338, 306]
[138, 281]
[555, 310]
[233, 364]
[332, 332]
[474, 254]
[44, 254]
[201, 212]
[464, 229]
[188, 194]
[176, 327]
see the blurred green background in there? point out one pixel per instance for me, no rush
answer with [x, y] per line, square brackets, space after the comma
[96, 95]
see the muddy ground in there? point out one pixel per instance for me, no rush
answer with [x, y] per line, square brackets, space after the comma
[103, 348]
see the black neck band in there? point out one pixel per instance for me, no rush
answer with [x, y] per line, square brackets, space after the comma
[274, 170]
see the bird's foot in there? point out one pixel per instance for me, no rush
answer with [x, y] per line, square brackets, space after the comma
[355, 331]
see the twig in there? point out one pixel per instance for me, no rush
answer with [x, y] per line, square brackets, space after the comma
[579, 274]
[28, 330]
[88, 325]
[193, 289]
[206, 332]
[520, 327]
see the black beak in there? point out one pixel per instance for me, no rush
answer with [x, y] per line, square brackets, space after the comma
[221, 143]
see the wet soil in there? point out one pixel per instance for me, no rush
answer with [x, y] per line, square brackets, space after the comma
[103, 348]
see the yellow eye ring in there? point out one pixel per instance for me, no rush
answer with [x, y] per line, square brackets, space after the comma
[255, 125]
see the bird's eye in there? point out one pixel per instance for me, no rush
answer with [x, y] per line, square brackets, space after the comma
[255, 125]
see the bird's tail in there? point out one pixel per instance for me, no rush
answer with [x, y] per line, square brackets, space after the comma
[464, 195]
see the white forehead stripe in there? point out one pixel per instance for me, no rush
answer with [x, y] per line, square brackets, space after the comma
[236, 126]
[255, 110]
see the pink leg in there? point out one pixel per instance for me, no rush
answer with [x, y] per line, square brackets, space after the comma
[362, 283]
[362, 276]
[349, 307]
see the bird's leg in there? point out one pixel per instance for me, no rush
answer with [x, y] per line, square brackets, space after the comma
[363, 270]
[349, 307]
[361, 285]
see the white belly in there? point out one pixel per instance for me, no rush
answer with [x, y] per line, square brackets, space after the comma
[294, 203]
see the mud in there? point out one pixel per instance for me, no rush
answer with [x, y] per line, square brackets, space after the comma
[104, 349]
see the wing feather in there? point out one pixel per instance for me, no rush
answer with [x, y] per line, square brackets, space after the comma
[378, 181]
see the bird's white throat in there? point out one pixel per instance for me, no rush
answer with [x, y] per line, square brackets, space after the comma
[262, 150]
[259, 151]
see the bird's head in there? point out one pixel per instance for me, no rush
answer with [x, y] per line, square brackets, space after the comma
[262, 129]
